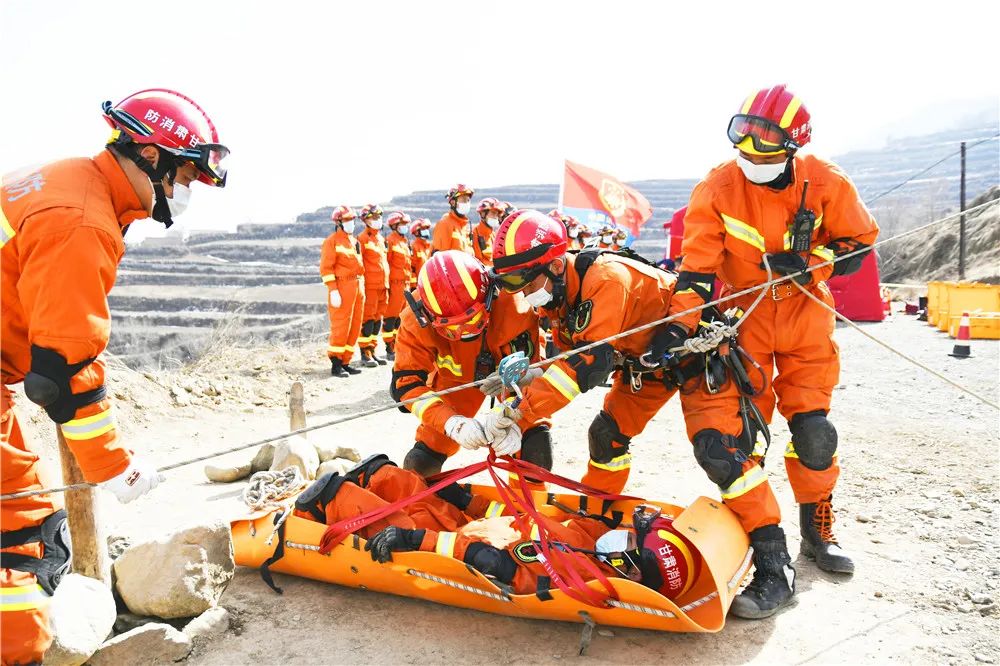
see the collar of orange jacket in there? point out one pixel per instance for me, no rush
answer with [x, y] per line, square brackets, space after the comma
[126, 202]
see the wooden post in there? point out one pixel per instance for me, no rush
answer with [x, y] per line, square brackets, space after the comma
[961, 222]
[296, 408]
[90, 547]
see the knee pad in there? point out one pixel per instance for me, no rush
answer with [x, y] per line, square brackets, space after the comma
[491, 561]
[314, 499]
[57, 547]
[592, 367]
[361, 473]
[814, 439]
[719, 456]
[536, 446]
[366, 328]
[47, 384]
[424, 460]
[606, 440]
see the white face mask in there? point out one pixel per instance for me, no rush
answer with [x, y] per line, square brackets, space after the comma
[492, 222]
[606, 239]
[403, 228]
[574, 233]
[375, 224]
[348, 226]
[760, 173]
[615, 541]
[464, 208]
[423, 233]
[538, 299]
[178, 203]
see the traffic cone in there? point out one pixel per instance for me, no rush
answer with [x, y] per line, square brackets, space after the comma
[962, 350]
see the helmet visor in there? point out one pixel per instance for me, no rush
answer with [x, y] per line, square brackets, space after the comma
[765, 135]
[209, 158]
[515, 281]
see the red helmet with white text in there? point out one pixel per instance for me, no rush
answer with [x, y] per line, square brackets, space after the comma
[525, 244]
[452, 288]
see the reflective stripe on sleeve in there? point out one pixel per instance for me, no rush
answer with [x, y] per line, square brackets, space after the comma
[420, 406]
[750, 480]
[448, 363]
[823, 252]
[6, 231]
[329, 278]
[495, 509]
[446, 543]
[89, 427]
[562, 382]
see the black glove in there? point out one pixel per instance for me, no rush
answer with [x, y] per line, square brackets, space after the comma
[393, 539]
[787, 263]
[455, 495]
[666, 339]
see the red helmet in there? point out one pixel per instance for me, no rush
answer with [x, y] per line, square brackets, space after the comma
[458, 191]
[420, 224]
[568, 220]
[452, 288]
[772, 120]
[526, 242]
[396, 218]
[487, 206]
[342, 214]
[606, 229]
[175, 124]
[370, 211]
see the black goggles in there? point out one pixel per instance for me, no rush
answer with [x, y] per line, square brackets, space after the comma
[766, 135]
[515, 281]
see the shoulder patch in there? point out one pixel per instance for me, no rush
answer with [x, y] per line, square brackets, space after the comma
[526, 552]
[582, 315]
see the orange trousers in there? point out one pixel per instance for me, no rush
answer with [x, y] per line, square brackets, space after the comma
[376, 301]
[24, 622]
[392, 309]
[794, 337]
[345, 321]
[631, 411]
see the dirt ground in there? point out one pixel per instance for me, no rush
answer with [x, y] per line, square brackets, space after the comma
[917, 505]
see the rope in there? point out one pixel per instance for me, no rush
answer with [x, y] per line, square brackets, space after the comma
[563, 355]
[896, 351]
[266, 489]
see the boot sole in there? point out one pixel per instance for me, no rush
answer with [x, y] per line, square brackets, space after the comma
[810, 555]
[760, 614]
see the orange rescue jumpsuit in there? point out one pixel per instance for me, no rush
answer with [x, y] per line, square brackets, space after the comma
[61, 237]
[342, 271]
[482, 243]
[451, 233]
[617, 294]
[421, 250]
[445, 524]
[400, 275]
[426, 361]
[574, 244]
[730, 223]
[373, 253]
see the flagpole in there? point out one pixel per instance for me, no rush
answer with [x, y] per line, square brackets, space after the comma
[562, 185]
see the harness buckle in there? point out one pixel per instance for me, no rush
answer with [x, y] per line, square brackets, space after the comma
[782, 290]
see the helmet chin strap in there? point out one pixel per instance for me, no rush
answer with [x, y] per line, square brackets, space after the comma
[161, 210]
[166, 166]
[558, 287]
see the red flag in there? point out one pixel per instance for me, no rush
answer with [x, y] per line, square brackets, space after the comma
[585, 188]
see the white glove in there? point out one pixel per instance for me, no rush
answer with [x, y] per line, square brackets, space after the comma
[138, 479]
[467, 432]
[509, 443]
[496, 424]
[492, 385]
[335, 298]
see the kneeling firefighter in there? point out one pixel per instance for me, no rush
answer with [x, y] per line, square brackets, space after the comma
[455, 332]
[588, 297]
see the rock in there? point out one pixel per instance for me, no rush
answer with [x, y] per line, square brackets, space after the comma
[957, 492]
[607, 633]
[980, 599]
[988, 609]
[117, 545]
[863, 518]
[149, 644]
[878, 594]
[329, 453]
[961, 564]
[227, 474]
[296, 451]
[182, 399]
[149, 375]
[337, 465]
[983, 658]
[129, 621]
[81, 615]
[211, 623]
[966, 540]
[179, 575]
[262, 461]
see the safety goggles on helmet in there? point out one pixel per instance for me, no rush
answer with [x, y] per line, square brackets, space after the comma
[766, 136]
[515, 281]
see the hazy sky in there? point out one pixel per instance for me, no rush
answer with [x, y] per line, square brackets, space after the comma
[343, 102]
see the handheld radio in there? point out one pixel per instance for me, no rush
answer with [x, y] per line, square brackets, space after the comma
[802, 225]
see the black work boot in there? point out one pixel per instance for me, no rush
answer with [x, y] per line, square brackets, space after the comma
[390, 352]
[349, 369]
[818, 542]
[379, 359]
[337, 368]
[773, 583]
[423, 460]
[368, 358]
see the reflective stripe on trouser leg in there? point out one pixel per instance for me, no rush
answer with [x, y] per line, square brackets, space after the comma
[809, 485]
[24, 618]
[751, 498]
[611, 476]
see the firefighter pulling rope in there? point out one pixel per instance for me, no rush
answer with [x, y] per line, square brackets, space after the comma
[713, 332]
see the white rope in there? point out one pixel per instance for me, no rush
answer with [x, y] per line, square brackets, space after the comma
[266, 489]
[896, 351]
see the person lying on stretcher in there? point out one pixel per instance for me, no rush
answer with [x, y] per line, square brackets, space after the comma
[483, 533]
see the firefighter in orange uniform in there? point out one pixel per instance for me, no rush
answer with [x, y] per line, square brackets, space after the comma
[588, 297]
[376, 261]
[344, 276]
[453, 230]
[452, 339]
[437, 524]
[754, 205]
[421, 248]
[621, 239]
[482, 236]
[61, 229]
[400, 274]
[573, 242]
[606, 237]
